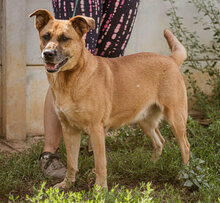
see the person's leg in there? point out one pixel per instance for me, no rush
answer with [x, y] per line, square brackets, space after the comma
[116, 26]
[49, 160]
[64, 9]
[52, 126]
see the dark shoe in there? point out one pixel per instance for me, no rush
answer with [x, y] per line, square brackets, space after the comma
[51, 165]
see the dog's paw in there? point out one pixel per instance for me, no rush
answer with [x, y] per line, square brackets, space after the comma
[154, 158]
[63, 185]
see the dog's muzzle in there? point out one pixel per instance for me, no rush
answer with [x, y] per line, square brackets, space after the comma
[49, 57]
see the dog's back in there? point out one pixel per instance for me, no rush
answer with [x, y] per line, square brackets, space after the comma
[152, 75]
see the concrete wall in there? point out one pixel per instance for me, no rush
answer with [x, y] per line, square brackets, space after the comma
[23, 105]
[13, 70]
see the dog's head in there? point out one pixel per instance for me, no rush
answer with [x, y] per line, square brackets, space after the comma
[61, 41]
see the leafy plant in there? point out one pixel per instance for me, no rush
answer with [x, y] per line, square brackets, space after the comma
[201, 57]
[96, 195]
[195, 175]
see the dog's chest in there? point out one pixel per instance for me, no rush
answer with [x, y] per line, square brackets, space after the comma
[70, 114]
[61, 110]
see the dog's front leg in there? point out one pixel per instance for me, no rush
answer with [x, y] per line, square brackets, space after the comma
[97, 137]
[72, 143]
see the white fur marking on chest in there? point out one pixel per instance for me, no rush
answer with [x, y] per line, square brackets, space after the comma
[57, 110]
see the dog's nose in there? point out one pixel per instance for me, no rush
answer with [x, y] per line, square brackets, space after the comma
[49, 54]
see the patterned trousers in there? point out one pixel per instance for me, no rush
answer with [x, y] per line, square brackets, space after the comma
[114, 22]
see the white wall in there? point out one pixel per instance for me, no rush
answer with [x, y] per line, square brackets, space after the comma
[147, 34]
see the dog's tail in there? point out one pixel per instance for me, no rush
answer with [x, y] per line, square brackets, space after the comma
[179, 53]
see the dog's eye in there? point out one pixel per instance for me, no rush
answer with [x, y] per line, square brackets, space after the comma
[63, 38]
[46, 37]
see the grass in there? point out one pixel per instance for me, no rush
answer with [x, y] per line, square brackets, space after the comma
[132, 177]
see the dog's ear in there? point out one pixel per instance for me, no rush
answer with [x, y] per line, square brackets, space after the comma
[82, 24]
[42, 18]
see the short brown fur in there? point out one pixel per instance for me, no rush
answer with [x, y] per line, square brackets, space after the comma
[94, 94]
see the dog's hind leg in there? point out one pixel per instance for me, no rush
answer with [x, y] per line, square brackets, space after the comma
[72, 143]
[155, 136]
[97, 138]
[160, 136]
[177, 119]
[150, 127]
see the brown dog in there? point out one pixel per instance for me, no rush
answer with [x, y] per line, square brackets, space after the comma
[94, 94]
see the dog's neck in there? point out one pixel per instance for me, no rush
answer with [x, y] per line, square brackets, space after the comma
[60, 82]
[59, 79]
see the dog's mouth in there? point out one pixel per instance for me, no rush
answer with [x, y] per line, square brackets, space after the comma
[52, 67]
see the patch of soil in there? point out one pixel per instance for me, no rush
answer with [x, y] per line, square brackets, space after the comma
[200, 117]
[11, 146]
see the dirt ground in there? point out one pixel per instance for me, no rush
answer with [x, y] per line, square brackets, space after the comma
[9, 147]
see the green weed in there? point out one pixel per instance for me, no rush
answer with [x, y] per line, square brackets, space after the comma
[96, 195]
[128, 166]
